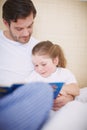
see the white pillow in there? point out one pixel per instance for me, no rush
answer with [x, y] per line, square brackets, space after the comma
[83, 95]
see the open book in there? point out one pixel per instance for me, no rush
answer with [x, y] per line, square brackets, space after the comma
[57, 86]
[7, 90]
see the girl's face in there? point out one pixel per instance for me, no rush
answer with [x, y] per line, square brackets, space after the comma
[44, 65]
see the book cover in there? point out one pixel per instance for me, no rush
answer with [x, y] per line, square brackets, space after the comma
[57, 86]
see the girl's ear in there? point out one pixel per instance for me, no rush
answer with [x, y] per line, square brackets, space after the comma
[55, 61]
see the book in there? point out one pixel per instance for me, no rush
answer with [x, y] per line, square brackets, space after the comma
[57, 86]
[7, 90]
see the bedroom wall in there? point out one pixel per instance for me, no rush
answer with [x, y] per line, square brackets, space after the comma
[64, 22]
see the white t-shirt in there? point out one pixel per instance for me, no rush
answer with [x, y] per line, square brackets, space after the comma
[60, 75]
[15, 60]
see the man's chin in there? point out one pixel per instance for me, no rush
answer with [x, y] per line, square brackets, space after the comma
[24, 41]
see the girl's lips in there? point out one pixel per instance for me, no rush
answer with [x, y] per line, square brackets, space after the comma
[43, 73]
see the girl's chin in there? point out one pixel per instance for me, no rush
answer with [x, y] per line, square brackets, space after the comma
[44, 75]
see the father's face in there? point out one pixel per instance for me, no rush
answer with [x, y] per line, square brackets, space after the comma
[21, 30]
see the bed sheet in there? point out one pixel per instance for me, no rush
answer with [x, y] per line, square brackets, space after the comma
[70, 117]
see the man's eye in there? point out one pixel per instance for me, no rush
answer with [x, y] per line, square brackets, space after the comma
[30, 26]
[18, 29]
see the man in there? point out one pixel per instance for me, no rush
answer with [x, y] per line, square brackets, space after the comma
[26, 107]
[16, 41]
[18, 109]
[16, 44]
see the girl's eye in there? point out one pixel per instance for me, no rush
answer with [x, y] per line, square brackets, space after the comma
[43, 64]
[36, 65]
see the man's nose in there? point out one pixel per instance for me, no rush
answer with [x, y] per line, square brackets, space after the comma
[25, 32]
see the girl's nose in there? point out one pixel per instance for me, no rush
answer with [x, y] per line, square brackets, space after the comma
[40, 69]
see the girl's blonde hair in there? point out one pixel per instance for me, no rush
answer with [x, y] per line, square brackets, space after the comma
[51, 50]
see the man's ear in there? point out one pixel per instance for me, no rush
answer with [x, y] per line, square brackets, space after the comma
[5, 23]
[55, 61]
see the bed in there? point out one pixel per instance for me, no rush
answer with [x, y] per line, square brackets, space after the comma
[72, 116]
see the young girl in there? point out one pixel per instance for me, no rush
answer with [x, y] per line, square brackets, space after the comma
[50, 66]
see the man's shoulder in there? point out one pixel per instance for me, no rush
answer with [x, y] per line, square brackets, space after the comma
[1, 36]
[1, 32]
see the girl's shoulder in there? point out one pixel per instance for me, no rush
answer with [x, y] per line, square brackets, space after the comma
[63, 70]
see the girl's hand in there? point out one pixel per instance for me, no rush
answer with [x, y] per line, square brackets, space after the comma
[61, 100]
